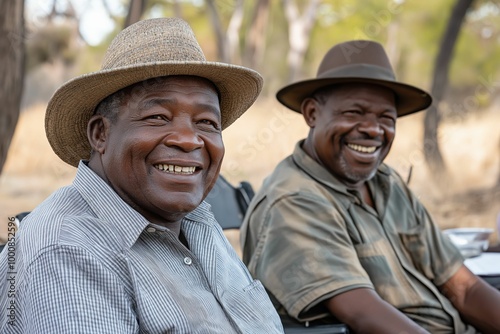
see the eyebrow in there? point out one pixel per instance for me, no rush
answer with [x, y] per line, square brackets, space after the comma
[160, 101]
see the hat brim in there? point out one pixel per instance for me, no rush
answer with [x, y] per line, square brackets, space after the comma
[409, 99]
[73, 104]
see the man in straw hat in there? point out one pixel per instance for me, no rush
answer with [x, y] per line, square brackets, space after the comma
[130, 246]
[335, 232]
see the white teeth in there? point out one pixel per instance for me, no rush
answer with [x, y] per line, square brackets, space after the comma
[363, 149]
[175, 169]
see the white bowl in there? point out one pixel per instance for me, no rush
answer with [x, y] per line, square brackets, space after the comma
[470, 241]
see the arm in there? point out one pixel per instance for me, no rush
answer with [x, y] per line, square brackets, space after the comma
[477, 302]
[365, 312]
[67, 291]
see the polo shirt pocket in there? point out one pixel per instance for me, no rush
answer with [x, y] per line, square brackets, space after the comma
[414, 243]
[385, 272]
[252, 310]
[373, 259]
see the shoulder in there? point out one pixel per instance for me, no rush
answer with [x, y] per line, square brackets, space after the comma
[289, 180]
[63, 221]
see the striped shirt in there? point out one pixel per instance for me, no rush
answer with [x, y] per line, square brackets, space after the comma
[309, 238]
[86, 262]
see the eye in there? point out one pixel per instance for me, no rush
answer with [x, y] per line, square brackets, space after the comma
[211, 123]
[352, 112]
[157, 117]
[389, 117]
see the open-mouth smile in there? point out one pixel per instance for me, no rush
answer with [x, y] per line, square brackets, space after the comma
[362, 149]
[187, 170]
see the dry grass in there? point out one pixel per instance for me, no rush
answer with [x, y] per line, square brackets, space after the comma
[265, 135]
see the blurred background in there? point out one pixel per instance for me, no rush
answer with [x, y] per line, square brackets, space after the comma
[450, 153]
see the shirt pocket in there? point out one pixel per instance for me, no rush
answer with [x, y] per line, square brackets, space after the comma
[415, 245]
[385, 272]
[373, 258]
[251, 309]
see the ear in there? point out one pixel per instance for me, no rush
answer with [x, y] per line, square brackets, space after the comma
[97, 132]
[309, 109]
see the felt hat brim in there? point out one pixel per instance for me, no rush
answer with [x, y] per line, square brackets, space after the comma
[409, 99]
[356, 62]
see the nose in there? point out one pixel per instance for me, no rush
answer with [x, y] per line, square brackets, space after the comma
[371, 126]
[184, 136]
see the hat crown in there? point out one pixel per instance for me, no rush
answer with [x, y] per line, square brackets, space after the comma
[345, 58]
[152, 41]
[358, 61]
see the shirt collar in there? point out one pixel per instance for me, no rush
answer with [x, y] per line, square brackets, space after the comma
[111, 208]
[323, 176]
[108, 206]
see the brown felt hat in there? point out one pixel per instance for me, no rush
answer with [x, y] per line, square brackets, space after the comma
[147, 49]
[357, 61]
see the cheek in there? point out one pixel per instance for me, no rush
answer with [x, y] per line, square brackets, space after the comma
[390, 134]
[128, 150]
[216, 150]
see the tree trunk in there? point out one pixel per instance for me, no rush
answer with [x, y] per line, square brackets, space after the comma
[256, 40]
[233, 33]
[432, 151]
[222, 52]
[11, 70]
[177, 9]
[299, 29]
[135, 10]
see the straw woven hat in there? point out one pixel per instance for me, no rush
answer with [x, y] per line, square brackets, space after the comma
[147, 49]
[357, 61]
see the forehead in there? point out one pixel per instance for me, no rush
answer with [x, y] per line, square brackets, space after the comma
[171, 81]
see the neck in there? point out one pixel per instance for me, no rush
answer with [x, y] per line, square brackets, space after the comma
[360, 186]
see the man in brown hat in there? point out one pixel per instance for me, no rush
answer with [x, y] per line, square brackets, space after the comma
[130, 246]
[336, 233]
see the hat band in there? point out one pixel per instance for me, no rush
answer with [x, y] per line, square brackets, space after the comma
[364, 71]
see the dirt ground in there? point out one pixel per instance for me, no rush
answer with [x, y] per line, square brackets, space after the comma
[266, 134]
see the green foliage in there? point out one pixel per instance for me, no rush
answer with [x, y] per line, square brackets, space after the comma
[49, 43]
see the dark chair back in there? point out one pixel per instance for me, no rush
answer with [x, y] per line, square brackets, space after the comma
[230, 203]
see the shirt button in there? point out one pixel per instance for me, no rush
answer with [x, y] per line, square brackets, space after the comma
[151, 229]
[188, 261]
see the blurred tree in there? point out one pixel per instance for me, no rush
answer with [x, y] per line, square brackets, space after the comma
[68, 13]
[440, 82]
[51, 42]
[256, 36]
[11, 70]
[135, 10]
[228, 41]
[299, 33]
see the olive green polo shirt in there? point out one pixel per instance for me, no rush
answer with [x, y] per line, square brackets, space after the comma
[308, 238]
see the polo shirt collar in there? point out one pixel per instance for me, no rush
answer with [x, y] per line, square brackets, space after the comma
[321, 174]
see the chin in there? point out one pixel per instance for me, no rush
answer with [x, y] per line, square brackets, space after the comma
[361, 176]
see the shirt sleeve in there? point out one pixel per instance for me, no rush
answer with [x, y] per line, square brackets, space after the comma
[294, 257]
[67, 291]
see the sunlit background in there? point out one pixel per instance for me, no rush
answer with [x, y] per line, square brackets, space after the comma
[67, 38]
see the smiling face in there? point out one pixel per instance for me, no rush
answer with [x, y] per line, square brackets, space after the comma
[352, 128]
[163, 151]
